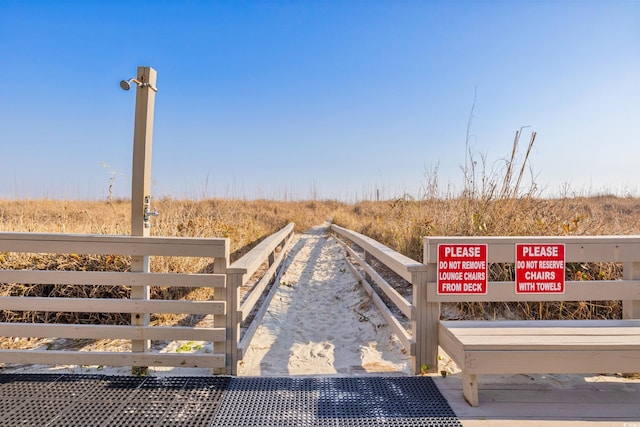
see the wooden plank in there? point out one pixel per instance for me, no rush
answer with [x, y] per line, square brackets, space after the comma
[57, 357]
[252, 260]
[451, 345]
[551, 361]
[104, 305]
[430, 312]
[470, 389]
[170, 333]
[547, 333]
[574, 291]
[545, 324]
[110, 244]
[549, 342]
[255, 294]
[245, 342]
[529, 394]
[405, 338]
[405, 306]
[577, 248]
[110, 278]
[428, 335]
[402, 265]
[631, 307]
[545, 408]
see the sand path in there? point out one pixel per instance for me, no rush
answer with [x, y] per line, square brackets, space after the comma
[320, 321]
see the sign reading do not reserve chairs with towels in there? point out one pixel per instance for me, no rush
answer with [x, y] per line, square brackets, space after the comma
[462, 269]
[540, 268]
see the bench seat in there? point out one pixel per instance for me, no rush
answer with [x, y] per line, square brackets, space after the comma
[544, 346]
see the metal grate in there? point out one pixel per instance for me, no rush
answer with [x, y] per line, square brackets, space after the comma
[94, 400]
[102, 400]
[353, 401]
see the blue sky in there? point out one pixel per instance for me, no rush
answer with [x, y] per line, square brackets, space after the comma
[327, 99]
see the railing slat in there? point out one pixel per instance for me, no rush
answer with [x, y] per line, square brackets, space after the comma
[577, 248]
[108, 244]
[113, 278]
[125, 332]
[405, 306]
[400, 264]
[58, 357]
[111, 305]
[405, 338]
[251, 261]
[602, 290]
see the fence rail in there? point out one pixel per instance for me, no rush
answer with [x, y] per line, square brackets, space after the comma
[272, 251]
[218, 249]
[578, 249]
[410, 270]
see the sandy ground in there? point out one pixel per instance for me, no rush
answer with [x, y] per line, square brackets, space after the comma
[320, 321]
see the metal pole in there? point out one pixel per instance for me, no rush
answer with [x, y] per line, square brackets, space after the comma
[141, 191]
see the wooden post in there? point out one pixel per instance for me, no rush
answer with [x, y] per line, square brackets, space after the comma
[232, 321]
[418, 324]
[429, 314]
[141, 191]
[228, 294]
[631, 308]
[367, 259]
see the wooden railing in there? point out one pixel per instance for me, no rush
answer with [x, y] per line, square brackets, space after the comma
[271, 251]
[228, 309]
[217, 248]
[617, 249]
[254, 272]
[412, 271]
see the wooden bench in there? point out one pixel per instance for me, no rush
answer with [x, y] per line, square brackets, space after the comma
[537, 347]
[541, 346]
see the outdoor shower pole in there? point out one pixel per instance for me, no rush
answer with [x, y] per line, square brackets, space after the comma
[141, 190]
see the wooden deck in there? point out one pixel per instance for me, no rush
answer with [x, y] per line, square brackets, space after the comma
[546, 400]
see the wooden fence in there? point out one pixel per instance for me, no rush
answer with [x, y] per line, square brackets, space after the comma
[271, 251]
[227, 308]
[578, 249]
[237, 315]
[36, 243]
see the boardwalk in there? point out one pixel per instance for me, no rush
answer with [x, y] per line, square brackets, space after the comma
[322, 356]
[298, 337]
[320, 321]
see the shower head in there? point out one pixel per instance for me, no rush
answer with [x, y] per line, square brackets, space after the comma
[126, 84]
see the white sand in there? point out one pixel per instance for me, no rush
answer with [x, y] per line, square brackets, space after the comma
[320, 321]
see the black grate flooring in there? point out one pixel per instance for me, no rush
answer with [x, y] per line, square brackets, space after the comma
[102, 400]
[350, 401]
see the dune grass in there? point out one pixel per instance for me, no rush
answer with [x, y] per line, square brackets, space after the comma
[399, 223]
[499, 201]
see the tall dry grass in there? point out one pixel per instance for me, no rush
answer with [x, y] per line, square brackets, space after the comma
[245, 223]
[399, 223]
[494, 201]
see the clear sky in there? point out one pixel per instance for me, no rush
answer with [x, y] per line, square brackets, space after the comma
[325, 99]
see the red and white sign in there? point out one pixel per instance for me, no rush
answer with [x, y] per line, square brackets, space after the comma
[462, 269]
[539, 268]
